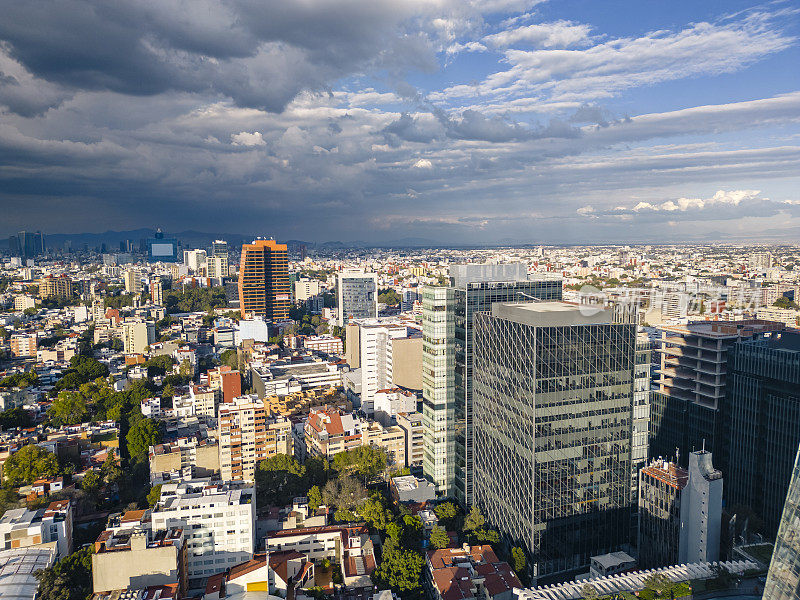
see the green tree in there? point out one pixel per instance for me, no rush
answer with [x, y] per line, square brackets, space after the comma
[28, 464]
[474, 520]
[389, 297]
[15, 417]
[374, 512]
[447, 513]
[230, 358]
[518, 561]
[365, 462]
[142, 435]
[343, 492]
[279, 478]
[400, 570]
[784, 302]
[439, 538]
[154, 495]
[314, 497]
[68, 579]
[69, 408]
[91, 483]
[110, 470]
[9, 498]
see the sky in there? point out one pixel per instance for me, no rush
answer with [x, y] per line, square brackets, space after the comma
[456, 121]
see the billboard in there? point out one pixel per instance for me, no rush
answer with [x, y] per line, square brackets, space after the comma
[161, 249]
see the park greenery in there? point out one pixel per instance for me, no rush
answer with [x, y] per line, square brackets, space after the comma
[389, 297]
[786, 303]
[194, 300]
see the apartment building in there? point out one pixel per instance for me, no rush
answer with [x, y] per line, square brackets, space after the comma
[137, 558]
[348, 545]
[686, 410]
[329, 431]
[55, 286]
[411, 424]
[226, 383]
[22, 528]
[23, 344]
[22, 302]
[323, 343]
[219, 520]
[137, 335]
[356, 295]
[133, 282]
[680, 512]
[468, 573]
[192, 457]
[205, 400]
[247, 435]
[391, 402]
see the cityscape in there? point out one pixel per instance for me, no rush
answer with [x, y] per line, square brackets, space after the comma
[400, 300]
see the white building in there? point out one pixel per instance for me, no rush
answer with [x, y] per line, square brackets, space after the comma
[388, 403]
[22, 302]
[306, 288]
[194, 259]
[20, 528]
[256, 329]
[133, 282]
[219, 520]
[376, 360]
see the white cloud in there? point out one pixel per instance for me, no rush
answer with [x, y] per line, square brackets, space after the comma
[248, 139]
[721, 198]
[560, 34]
[423, 163]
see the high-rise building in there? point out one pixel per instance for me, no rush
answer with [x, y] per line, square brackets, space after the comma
[225, 382]
[156, 290]
[161, 249]
[264, 280]
[376, 345]
[475, 287]
[641, 419]
[685, 410]
[680, 512]
[23, 344]
[783, 578]
[553, 405]
[27, 244]
[356, 296]
[247, 435]
[218, 261]
[411, 424]
[762, 421]
[133, 282]
[760, 261]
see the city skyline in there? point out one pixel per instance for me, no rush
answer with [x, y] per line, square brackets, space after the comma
[508, 121]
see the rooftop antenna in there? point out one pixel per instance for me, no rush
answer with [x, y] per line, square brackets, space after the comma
[704, 444]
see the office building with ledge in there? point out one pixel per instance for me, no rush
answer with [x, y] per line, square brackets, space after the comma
[264, 280]
[783, 577]
[553, 421]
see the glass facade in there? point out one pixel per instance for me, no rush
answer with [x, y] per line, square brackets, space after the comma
[358, 297]
[438, 372]
[783, 579]
[469, 299]
[762, 415]
[553, 422]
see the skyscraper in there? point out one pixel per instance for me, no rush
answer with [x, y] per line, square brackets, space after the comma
[27, 244]
[762, 418]
[553, 417]
[264, 280]
[356, 296]
[474, 287]
[783, 578]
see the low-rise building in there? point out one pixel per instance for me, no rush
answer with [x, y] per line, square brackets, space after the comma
[348, 545]
[138, 558]
[469, 573]
[412, 489]
[22, 528]
[411, 424]
[194, 457]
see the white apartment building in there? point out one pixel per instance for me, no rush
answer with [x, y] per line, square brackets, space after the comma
[218, 519]
[376, 359]
[20, 528]
[22, 302]
[137, 334]
[306, 288]
[133, 282]
[392, 401]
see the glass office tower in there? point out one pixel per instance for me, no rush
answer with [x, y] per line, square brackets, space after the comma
[783, 578]
[553, 421]
[473, 288]
[762, 418]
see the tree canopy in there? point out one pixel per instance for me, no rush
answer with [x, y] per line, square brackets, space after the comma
[28, 464]
[68, 579]
[69, 408]
[142, 435]
[439, 538]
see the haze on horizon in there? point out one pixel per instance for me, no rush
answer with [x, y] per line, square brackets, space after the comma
[482, 121]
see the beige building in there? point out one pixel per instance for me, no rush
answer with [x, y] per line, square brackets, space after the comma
[135, 559]
[133, 281]
[23, 344]
[197, 458]
[407, 362]
[392, 439]
[411, 424]
[22, 302]
[137, 334]
[247, 435]
[782, 315]
[55, 287]
[23, 528]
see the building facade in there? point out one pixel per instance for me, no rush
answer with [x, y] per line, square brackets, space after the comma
[553, 402]
[783, 578]
[356, 296]
[762, 417]
[248, 435]
[264, 280]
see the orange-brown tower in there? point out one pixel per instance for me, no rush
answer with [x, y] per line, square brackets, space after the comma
[264, 280]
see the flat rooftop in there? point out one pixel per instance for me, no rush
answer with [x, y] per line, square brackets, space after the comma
[552, 314]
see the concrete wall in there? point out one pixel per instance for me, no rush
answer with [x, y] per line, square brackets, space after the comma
[406, 362]
[352, 351]
[135, 569]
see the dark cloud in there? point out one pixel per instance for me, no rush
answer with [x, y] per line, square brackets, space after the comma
[260, 53]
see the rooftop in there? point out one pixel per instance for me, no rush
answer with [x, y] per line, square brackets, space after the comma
[551, 314]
